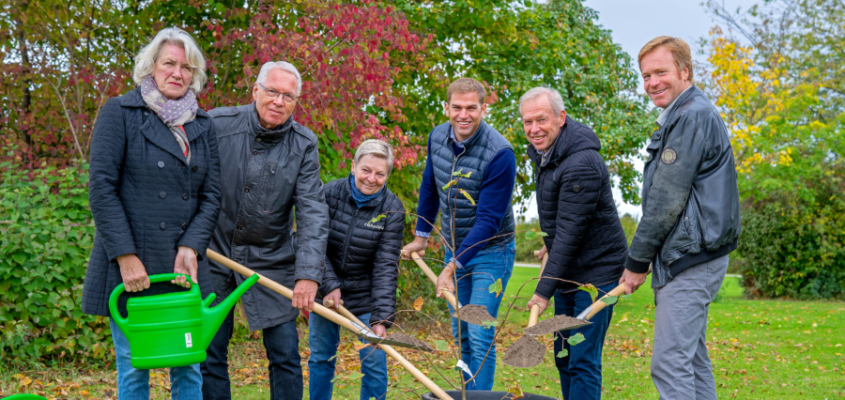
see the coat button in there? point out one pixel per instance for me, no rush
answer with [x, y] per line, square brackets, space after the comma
[161, 164]
[184, 226]
[185, 196]
[255, 152]
[194, 168]
[146, 113]
[163, 226]
[258, 140]
[162, 195]
[246, 189]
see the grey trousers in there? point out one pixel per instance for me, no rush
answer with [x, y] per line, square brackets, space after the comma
[680, 366]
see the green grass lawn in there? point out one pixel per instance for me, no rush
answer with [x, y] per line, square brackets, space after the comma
[761, 349]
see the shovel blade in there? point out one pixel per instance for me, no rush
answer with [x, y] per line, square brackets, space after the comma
[375, 339]
[557, 324]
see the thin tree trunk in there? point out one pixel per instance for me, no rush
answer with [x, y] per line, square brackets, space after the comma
[27, 69]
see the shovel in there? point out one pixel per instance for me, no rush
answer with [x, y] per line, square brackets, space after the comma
[471, 313]
[527, 352]
[367, 334]
[331, 316]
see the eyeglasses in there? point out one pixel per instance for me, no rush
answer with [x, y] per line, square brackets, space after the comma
[287, 98]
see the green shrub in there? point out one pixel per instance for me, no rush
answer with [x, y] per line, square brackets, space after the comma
[794, 249]
[46, 233]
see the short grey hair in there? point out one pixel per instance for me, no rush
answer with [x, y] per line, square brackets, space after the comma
[282, 65]
[553, 95]
[375, 148]
[146, 58]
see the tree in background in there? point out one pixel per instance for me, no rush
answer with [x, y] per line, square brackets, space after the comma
[512, 46]
[782, 99]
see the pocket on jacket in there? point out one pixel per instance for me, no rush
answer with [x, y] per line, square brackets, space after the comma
[685, 237]
[284, 254]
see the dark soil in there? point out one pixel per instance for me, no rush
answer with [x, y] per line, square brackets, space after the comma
[475, 314]
[401, 337]
[527, 352]
[558, 323]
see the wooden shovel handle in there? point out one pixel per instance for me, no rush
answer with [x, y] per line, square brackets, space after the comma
[600, 305]
[345, 312]
[331, 316]
[535, 314]
[449, 296]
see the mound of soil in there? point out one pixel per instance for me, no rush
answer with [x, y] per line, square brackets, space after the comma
[475, 314]
[527, 352]
[558, 323]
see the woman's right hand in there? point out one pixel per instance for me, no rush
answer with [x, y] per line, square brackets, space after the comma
[134, 274]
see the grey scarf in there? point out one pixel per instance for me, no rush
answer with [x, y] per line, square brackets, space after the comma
[174, 113]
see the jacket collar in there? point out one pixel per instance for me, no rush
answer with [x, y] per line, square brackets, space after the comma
[573, 137]
[481, 131]
[347, 189]
[669, 112]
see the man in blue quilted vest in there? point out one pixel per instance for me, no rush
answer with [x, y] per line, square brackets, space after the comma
[469, 177]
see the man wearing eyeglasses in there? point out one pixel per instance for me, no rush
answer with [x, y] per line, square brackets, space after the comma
[269, 165]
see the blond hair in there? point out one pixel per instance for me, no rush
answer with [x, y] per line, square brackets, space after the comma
[466, 85]
[680, 52]
[375, 148]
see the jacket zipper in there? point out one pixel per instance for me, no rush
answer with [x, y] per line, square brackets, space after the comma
[449, 193]
[348, 236]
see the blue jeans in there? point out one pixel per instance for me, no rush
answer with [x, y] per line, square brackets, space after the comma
[580, 371]
[134, 384]
[323, 338]
[282, 345]
[474, 280]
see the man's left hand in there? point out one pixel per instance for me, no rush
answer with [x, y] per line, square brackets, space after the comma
[543, 303]
[303, 294]
[445, 281]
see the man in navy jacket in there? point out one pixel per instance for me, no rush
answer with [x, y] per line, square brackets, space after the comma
[477, 221]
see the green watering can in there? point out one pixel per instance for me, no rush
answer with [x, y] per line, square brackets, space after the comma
[172, 329]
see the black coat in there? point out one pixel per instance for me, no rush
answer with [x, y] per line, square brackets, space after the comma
[265, 175]
[362, 255]
[585, 239]
[146, 199]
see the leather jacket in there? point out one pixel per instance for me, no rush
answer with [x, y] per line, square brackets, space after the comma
[691, 208]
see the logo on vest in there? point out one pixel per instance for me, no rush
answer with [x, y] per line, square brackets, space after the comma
[373, 226]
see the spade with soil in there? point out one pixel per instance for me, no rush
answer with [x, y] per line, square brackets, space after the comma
[331, 316]
[527, 352]
[470, 313]
[394, 339]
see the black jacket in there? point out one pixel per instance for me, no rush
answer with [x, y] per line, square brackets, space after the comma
[362, 255]
[265, 174]
[146, 199]
[690, 195]
[585, 239]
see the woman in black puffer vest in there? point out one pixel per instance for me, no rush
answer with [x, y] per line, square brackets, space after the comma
[365, 237]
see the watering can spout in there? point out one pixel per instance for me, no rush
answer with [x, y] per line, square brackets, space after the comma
[213, 316]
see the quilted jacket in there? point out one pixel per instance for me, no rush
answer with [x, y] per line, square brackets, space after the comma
[585, 239]
[363, 251]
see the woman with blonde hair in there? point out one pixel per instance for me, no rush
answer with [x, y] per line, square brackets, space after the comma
[155, 195]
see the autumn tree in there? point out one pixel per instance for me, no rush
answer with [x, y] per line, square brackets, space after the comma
[782, 102]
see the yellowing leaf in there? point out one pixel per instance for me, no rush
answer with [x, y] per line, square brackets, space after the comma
[464, 192]
[418, 303]
[589, 288]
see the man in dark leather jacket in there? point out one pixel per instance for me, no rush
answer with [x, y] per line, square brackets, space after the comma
[690, 220]
[269, 165]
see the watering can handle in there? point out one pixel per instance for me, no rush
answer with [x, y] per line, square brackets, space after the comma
[119, 320]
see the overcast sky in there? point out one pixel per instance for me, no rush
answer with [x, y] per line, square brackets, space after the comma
[634, 22]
